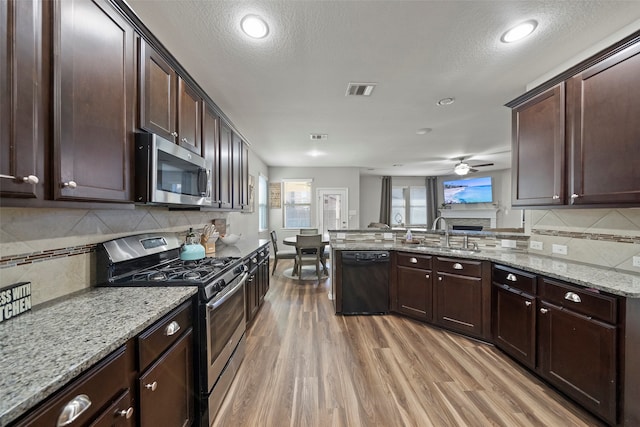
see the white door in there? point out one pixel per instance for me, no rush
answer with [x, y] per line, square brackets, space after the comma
[333, 209]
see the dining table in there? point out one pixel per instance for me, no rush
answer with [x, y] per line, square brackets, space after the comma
[291, 241]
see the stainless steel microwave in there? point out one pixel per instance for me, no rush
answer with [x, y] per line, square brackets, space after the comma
[167, 174]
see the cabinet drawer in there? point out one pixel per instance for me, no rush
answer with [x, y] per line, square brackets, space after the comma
[513, 278]
[165, 332]
[580, 300]
[119, 414]
[414, 260]
[463, 267]
[95, 389]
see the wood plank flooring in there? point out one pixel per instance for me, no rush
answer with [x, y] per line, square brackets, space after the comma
[306, 366]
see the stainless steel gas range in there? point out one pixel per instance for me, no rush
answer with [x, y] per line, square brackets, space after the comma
[153, 260]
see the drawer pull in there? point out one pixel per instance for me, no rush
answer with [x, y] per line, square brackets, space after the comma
[457, 266]
[440, 278]
[73, 409]
[512, 277]
[413, 260]
[126, 413]
[153, 386]
[572, 296]
[543, 310]
[527, 303]
[426, 276]
[172, 328]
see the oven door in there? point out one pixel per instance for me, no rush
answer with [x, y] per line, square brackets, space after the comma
[225, 327]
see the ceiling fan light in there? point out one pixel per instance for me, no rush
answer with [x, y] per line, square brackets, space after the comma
[462, 169]
[254, 26]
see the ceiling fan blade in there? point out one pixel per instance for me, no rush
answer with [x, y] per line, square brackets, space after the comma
[473, 170]
[484, 164]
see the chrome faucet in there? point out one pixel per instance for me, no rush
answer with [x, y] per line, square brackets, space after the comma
[446, 229]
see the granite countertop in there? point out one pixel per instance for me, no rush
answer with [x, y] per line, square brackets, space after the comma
[604, 279]
[44, 349]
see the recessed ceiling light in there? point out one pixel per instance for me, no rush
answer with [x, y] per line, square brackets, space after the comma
[254, 26]
[446, 101]
[315, 153]
[519, 32]
[423, 131]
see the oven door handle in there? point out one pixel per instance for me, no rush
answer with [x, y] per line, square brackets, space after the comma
[215, 304]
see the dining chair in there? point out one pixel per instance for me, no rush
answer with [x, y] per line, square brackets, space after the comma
[308, 231]
[304, 244]
[286, 254]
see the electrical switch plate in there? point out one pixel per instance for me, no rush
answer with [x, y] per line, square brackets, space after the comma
[534, 244]
[559, 249]
[506, 243]
[636, 261]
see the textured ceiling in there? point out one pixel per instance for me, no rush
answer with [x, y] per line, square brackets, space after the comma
[280, 89]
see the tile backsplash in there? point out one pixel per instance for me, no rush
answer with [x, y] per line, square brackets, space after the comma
[605, 237]
[54, 248]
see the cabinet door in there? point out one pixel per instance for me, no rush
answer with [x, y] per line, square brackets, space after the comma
[237, 173]
[23, 97]
[158, 88]
[514, 324]
[605, 131]
[190, 118]
[538, 150]
[167, 388]
[414, 292]
[458, 303]
[211, 150]
[94, 74]
[251, 296]
[578, 355]
[225, 166]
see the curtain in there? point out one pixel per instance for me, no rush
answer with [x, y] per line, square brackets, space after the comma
[385, 201]
[431, 183]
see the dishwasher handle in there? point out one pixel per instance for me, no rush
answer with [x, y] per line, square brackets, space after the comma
[364, 257]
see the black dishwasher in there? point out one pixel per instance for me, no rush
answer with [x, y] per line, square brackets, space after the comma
[365, 282]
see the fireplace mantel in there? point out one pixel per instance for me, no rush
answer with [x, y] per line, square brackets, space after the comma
[489, 214]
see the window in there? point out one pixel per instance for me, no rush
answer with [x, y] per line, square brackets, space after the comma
[408, 205]
[297, 203]
[262, 203]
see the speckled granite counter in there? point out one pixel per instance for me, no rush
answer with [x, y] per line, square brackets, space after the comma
[608, 280]
[42, 350]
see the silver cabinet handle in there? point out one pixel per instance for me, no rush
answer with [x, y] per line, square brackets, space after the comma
[126, 413]
[512, 277]
[527, 303]
[457, 266]
[543, 310]
[31, 179]
[413, 260]
[555, 197]
[573, 297]
[73, 409]
[440, 278]
[172, 328]
[184, 140]
[153, 386]
[174, 133]
[427, 276]
[575, 196]
[70, 184]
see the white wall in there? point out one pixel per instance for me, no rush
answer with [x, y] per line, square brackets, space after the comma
[370, 193]
[348, 178]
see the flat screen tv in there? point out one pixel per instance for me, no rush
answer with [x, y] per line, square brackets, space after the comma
[470, 190]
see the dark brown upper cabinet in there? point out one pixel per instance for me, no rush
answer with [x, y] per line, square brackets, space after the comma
[603, 109]
[240, 173]
[169, 106]
[225, 184]
[576, 142]
[93, 101]
[24, 59]
[211, 149]
[538, 169]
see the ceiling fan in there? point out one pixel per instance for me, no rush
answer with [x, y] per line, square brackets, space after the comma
[463, 168]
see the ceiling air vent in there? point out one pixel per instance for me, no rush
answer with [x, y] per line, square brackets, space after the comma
[360, 89]
[318, 136]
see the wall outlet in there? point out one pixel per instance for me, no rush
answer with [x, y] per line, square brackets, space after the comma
[636, 261]
[559, 249]
[506, 243]
[534, 244]
[387, 236]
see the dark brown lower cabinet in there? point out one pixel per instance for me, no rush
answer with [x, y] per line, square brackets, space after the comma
[458, 303]
[414, 293]
[167, 388]
[514, 324]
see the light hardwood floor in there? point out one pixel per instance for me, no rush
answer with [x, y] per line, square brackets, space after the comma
[305, 366]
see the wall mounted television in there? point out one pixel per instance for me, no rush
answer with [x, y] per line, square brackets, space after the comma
[469, 190]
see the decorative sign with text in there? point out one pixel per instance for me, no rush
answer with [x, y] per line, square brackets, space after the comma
[15, 300]
[275, 200]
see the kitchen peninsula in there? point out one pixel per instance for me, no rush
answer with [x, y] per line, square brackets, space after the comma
[555, 317]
